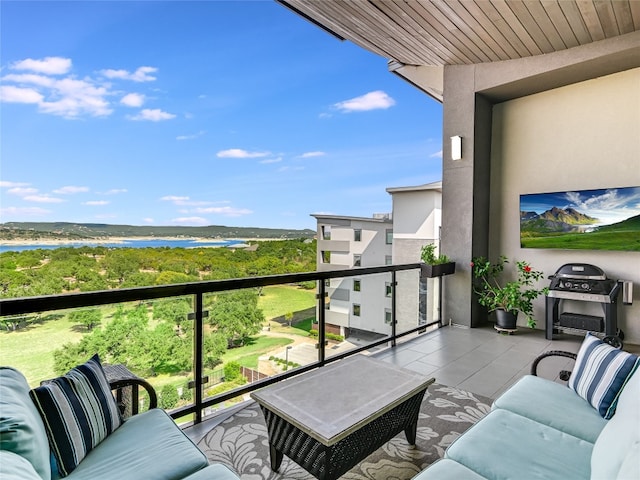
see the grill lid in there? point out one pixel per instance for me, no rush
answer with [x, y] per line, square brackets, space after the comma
[581, 271]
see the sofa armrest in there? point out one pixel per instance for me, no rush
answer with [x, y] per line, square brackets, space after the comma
[126, 385]
[564, 374]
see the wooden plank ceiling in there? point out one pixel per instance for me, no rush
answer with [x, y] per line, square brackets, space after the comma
[459, 32]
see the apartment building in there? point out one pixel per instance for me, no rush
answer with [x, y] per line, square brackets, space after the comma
[357, 305]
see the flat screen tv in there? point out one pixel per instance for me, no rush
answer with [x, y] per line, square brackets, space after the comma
[602, 219]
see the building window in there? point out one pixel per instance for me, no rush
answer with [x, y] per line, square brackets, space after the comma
[388, 236]
[357, 260]
[326, 232]
[356, 310]
[357, 235]
[326, 256]
[387, 289]
[387, 316]
[356, 285]
[388, 260]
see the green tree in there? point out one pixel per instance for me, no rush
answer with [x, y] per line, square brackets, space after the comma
[173, 310]
[89, 317]
[236, 315]
[169, 397]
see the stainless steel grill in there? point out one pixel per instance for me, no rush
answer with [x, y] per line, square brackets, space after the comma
[582, 282]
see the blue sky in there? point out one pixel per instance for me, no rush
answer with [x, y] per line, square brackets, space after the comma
[234, 113]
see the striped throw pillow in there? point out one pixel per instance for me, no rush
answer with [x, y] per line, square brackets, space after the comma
[600, 373]
[78, 411]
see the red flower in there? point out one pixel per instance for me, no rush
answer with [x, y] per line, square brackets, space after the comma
[527, 268]
[471, 264]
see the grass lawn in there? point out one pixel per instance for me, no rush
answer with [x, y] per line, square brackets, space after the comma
[247, 356]
[276, 301]
[30, 349]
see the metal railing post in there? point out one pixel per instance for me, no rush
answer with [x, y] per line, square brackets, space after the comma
[321, 321]
[198, 347]
[394, 283]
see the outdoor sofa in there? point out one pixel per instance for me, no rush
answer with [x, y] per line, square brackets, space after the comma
[64, 441]
[540, 429]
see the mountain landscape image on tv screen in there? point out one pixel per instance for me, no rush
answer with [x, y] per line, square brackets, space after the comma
[602, 219]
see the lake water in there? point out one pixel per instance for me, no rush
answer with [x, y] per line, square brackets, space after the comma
[127, 244]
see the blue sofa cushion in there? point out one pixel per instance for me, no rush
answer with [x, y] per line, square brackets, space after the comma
[600, 373]
[508, 446]
[147, 445]
[217, 472]
[554, 405]
[78, 411]
[15, 467]
[21, 429]
[447, 469]
[611, 452]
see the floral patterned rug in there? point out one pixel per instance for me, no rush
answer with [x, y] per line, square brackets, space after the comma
[240, 442]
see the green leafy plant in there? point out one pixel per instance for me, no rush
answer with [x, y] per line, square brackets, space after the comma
[428, 255]
[512, 296]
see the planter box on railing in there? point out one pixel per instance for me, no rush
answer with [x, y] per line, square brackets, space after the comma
[431, 271]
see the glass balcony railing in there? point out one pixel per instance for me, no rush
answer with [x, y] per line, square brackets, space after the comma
[206, 345]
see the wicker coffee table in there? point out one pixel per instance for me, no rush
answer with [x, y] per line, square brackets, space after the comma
[330, 419]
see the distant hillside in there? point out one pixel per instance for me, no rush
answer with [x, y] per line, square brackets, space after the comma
[67, 230]
[631, 224]
[554, 220]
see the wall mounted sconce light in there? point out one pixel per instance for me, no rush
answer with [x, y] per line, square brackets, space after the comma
[456, 147]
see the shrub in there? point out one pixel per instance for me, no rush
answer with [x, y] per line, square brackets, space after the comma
[232, 371]
[169, 397]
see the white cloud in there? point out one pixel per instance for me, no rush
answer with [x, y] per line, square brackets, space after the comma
[106, 215]
[239, 153]
[312, 154]
[70, 189]
[96, 202]
[22, 191]
[13, 94]
[35, 82]
[152, 115]
[115, 191]
[436, 154]
[174, 198]
[271, 160]
[71, 98]
[42, 199]
[370, 101]
[190, 137]
[132, 100]
[190, 221]
[142, 74]
[8, 184]
[48, 65]
[23, 211]
[225, 211]
[148, 220]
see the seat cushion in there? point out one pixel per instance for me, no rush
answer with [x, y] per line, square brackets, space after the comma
[600, 373]
[147, 445]
[508, 446]
[15, 467]
[78, 411]
[554, 405]
[447, 469]
[213, 472]
[619, 436]
[21, 428]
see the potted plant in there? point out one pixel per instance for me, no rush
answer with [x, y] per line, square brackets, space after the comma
[435, 266]
[506, 298]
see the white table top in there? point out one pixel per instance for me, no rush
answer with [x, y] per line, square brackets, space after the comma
[335, 400]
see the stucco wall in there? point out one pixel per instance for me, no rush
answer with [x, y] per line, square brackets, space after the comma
[577, 137]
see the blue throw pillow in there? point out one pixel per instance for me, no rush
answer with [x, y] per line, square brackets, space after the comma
[600, 373]
[78, 411]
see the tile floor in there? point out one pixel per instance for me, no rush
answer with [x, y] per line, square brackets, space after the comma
[479, 360]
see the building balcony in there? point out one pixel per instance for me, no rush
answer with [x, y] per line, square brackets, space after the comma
[222, 420]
